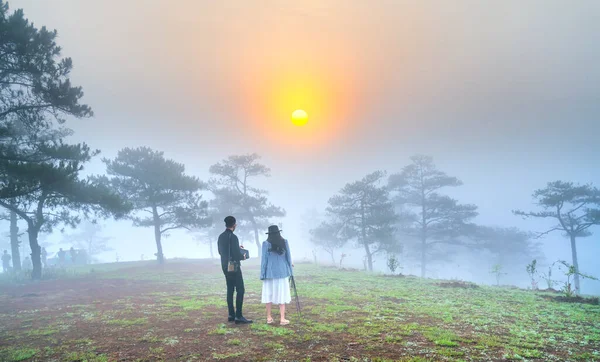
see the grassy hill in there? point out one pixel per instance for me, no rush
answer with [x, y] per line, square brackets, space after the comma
[141, 311]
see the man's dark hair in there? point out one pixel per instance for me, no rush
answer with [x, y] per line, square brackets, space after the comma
[229, 221]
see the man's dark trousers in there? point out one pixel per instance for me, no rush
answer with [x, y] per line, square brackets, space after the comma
[235, 282]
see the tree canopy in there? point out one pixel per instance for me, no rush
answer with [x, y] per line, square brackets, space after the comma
[233, 189]
[58, 194]
[574, 208]
[366, 215]
[159, 187]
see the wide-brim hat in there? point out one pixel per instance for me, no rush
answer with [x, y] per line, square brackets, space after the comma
[274, 229]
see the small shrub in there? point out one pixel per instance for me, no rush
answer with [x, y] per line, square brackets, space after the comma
[569, 271]
[548, 278]
[393, 263]
[532, 271]
[497, 271]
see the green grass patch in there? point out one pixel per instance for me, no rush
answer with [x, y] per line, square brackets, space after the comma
[393, 339]
[326, 327]
[17, 354]
[274, 345]
[221, 330]
[219, 356]
[587, 356]
[265, 329]
[195, 303]
[527, 353]
[449, 352]
[441, 337]
[42, 332]
[234, 342]
[340, 308]
[127, 322]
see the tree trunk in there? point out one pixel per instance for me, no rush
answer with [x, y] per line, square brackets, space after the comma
[212, 254]
[369, 256]
[575, 263]
[423, 240]
[14, 242]
[364, 238]
[423, 255]
[157, 236]
[423, 229]
[36, 259]
[258, 247]
[332, 257]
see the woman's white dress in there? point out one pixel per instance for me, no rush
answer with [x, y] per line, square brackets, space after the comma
[276, 291]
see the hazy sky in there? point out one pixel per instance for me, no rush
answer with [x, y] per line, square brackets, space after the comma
[504, 94]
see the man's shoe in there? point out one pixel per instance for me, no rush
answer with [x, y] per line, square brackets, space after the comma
[230, 318]
[242, 320]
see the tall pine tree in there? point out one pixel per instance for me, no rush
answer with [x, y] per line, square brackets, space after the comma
[575, 209]
[159, 187]
[366, 215]
[233, 189]
[435, 218]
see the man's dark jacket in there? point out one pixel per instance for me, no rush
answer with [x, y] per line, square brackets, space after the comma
[228, 241]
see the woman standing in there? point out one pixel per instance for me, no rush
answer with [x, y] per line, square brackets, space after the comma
[275, 270]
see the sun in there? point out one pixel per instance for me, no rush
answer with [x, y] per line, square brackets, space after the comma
[299, 117]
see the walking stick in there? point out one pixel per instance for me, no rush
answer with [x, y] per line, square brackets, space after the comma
[296, 295]
[293, 282]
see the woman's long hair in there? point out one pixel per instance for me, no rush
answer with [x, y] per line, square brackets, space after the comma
[277, 243]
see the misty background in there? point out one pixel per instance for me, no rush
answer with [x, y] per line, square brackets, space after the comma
[504, 96]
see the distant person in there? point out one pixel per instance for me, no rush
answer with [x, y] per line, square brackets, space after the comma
[27, 265]
[73, 255]
[61, 257]
[44, 257]
[275, 271]
[229, 249]
[6, 261]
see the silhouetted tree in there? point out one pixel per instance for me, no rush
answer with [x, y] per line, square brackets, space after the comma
[327, 236]
[510, 246]
[159, 187]
[61, 196]
[14, 237]
[366, 214]
[89, 238]
[35, 93]
[434, 218]
[39, 178]
[309, 220]
[210, 234]
[231, 187]
[576, 208]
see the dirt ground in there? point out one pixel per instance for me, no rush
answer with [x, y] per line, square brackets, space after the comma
[178, 313]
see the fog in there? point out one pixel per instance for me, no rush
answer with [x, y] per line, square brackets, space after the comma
[504, 96]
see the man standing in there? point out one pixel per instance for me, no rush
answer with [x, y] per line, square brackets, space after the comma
[229, 249]
[6, 261]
